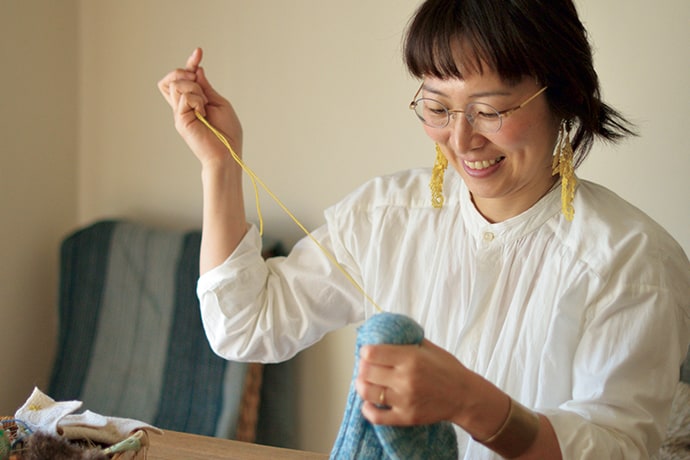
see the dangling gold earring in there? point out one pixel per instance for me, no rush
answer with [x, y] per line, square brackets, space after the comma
[436, 184]
[563, 167]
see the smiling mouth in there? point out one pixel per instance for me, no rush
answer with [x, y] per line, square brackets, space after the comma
[479, 165]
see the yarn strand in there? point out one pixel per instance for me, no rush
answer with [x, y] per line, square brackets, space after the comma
[257, 182]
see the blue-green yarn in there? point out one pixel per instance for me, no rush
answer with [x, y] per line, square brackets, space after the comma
[359, 439]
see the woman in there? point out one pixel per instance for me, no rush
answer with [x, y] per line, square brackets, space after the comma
[554, 315]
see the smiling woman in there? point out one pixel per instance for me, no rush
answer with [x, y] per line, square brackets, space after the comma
[323, 98]
[526, 305]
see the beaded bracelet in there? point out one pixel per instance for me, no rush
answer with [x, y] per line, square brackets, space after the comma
[517, 434]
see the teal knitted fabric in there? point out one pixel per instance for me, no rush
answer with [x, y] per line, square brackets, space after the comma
[359, 439]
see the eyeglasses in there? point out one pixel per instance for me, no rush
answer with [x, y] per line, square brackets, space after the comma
[482, 117]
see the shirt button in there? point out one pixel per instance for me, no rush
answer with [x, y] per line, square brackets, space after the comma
[488, 237]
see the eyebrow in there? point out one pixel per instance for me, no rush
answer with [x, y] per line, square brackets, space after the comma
[471, 96]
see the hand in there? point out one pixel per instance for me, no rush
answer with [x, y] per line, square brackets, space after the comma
[187, 90]
[423, 384]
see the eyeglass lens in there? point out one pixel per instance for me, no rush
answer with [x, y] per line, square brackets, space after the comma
[482, 117]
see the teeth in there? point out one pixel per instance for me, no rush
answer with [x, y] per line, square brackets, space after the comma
[481, 164]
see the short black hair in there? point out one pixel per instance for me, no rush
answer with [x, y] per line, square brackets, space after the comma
[543, 39]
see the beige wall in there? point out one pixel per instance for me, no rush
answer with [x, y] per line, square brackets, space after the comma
[38, 187]
[323, 97]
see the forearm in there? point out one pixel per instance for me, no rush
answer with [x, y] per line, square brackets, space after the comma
[209, 125]
[224, 221]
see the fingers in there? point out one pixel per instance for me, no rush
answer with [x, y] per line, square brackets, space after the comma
[177, 75]
[384, 405]
[189, 87]
[186, 89]
[189, 73]
[388, 381]
[185, 96]
[380, 396]
[388, 355]
[373, 378]
[392, 405]
[190, 102]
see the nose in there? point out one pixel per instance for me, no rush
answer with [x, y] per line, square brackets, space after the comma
[462, 134]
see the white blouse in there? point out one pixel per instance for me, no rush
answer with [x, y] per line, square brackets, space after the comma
[586, 321]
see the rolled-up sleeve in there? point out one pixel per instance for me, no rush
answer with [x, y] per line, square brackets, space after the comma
[267, 311]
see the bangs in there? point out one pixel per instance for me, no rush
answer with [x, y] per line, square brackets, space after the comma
[447, 39]
[442, 52]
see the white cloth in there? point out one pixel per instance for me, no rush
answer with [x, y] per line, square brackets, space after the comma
[98, 428]
[41, 413]
[585, 321]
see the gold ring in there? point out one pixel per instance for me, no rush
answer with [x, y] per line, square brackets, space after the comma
[382, 397]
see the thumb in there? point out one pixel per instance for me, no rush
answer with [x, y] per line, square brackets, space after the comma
[194, 59]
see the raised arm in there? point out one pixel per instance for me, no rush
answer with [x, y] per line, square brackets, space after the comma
[224, 223]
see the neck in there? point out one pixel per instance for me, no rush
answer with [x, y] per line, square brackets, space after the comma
[501, 209]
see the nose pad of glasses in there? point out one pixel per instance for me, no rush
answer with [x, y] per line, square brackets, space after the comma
[464, 117]
[453, 117]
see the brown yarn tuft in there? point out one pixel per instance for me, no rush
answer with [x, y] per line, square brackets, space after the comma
[41, 446]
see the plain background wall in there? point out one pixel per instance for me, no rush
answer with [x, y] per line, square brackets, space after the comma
[38, 182]
[322, 93]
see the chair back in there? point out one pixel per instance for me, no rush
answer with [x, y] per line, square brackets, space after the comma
[131, 343]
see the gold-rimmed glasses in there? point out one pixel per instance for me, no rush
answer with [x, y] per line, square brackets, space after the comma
[483, 117]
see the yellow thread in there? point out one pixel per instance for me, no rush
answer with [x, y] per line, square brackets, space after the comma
[239, 161]
[256, 180]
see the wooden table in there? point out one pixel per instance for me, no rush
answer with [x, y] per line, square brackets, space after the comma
[173, 445]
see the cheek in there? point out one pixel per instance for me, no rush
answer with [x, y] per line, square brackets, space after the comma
[439, 136]
[528, 136]
[537, 131]
[512, 136]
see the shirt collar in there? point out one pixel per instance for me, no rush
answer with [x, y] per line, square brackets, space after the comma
[548, 207]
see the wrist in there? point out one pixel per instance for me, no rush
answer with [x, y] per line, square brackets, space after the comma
[222, 177]
[485, 408]
[495, 420]
[223, 197]
[220, 167]
[517, 433]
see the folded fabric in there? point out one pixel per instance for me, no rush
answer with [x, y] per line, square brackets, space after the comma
[97, 428]
[360, 439]
[42, 414]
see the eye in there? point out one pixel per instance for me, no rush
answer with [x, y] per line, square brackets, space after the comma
[431, 110]
[433, 106]
[487, 115]
[483, 111]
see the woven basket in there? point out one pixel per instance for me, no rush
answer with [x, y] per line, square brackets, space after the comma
[10, 426]
[9, 429]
